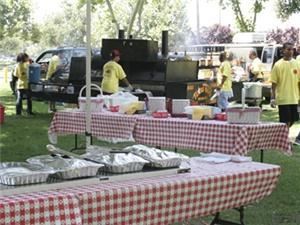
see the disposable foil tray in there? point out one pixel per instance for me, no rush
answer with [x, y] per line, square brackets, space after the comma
[118, 162]
[157, 157]
[21, 173]
[67, 168]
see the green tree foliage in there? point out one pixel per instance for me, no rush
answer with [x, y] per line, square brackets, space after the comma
[154, 17]
[66, 28]
[244, 23]
[15, 19]
[286, 8]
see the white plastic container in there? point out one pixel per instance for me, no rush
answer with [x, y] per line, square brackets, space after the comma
[178, 105]
[156, 104]
[96, 102]
[253, 89]
[250, 115]
[209, 111]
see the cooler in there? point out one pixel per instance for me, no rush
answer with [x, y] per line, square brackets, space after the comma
[2, 112]
[34, 73]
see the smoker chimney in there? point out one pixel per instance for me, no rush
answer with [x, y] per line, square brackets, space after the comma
[164, 43]
[121, 34]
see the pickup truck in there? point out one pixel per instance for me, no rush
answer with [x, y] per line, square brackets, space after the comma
[66, 86]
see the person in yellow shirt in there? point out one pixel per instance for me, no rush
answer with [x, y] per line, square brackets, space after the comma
[285, 78]
[112, 74]
[255, 68]
[21, 73]
[53, 69]
[53, 66]
[225, 87]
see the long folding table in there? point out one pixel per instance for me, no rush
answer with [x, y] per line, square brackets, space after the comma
[208, 189]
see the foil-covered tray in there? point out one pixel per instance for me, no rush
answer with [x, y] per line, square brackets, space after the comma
[66, 168]
[21, 173]
[119, 162]
[157, 158]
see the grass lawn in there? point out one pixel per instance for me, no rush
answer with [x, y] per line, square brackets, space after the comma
[25, 136]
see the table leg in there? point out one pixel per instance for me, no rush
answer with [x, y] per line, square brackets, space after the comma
[75, 144]
[261, 155]
[218, 221]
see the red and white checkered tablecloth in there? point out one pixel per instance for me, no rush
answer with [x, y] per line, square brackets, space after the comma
[162, 200]
[209, 136]
[175, 198]
[105, 125]
[41, 208]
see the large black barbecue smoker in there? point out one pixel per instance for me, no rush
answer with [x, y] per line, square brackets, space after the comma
[146, 69]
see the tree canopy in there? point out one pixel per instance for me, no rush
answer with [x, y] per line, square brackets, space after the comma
[152, 17]
[288, 7]
[244, 23]
[15, 19]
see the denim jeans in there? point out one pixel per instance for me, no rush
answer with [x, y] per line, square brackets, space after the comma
[19, 105]
[223, 99]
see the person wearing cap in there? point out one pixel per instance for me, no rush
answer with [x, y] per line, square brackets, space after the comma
[112, 74]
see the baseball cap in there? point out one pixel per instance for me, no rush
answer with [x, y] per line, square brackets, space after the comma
[115, 52]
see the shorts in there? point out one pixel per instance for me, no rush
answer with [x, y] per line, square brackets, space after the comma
[288, 113]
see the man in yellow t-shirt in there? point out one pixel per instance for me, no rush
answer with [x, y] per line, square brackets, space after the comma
[255, 68]
[226, 83]
[112, 74]
[285, 78]
[53, 68]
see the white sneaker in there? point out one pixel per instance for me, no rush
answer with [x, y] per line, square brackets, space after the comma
[296, 142]
[51, 110]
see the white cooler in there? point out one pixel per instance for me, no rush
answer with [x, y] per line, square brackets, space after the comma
[156, 104]
[178, 105]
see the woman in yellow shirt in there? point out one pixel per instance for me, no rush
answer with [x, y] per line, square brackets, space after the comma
[22, 84]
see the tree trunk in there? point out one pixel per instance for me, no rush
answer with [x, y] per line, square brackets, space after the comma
[136, 9]
[140, 10]
[198, 20]
[113, 16]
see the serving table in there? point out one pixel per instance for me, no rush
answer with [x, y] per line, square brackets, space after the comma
[204, 135]
[108, 126]
[165, 199]
[212, 135]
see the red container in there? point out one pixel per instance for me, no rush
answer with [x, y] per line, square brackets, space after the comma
[114, 108]
[160, 114]
[2, 112]
[221, 116]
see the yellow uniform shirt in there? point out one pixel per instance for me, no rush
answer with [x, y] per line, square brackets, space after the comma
[53, 63]
[256, 68]
[112, 73]
[286, 75]
[22, 74]
[226, 71]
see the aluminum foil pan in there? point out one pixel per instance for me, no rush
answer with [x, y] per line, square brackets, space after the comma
[157, 157]
[21, 173]
[119, 162]
[67, 168]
